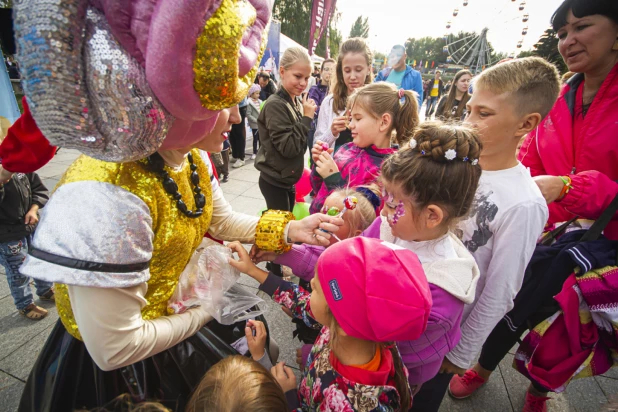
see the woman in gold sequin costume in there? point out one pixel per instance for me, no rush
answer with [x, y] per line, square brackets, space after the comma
[115, 237]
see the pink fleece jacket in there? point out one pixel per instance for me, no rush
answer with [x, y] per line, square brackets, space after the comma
[584, 149]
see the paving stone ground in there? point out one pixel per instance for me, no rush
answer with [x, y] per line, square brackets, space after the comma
[22, 339]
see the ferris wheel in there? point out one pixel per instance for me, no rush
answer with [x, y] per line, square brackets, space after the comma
[474, 51]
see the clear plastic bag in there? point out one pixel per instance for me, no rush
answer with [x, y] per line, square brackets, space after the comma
[210, 281]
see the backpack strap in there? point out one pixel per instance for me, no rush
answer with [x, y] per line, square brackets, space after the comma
[601, 223]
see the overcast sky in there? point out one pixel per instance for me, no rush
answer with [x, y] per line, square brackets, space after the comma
[394, 21]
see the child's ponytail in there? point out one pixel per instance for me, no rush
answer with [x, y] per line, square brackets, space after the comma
[406, 119]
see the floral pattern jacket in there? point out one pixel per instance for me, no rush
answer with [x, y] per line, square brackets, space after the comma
[322, 388]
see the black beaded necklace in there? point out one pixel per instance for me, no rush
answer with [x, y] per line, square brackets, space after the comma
[158, 166]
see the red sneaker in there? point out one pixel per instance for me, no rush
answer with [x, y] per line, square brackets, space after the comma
[535, 403]
[463, 386]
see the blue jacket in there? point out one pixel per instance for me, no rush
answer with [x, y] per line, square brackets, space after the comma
[412, 80]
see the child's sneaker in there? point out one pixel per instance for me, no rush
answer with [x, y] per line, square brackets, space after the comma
[461, 387]
[535, 403]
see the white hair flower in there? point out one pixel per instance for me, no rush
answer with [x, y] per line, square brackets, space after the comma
[413, 144]
[450, 154]
[475, 162]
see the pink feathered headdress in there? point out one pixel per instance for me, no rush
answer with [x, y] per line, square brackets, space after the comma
[118, 79]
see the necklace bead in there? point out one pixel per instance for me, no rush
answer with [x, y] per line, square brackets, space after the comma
[171, 187]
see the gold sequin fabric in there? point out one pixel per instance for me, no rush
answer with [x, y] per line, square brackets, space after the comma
[269, 234]
[175, 236]
[216, 69]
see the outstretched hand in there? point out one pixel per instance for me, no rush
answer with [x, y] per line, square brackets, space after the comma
[308, 230]
[244, 263]
[257, 255]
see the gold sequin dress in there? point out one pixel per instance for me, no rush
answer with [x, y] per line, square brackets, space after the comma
[120, 214]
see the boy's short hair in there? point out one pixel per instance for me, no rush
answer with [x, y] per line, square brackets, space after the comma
[532, 81]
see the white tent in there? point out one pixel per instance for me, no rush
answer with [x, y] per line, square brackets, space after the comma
[285, 43]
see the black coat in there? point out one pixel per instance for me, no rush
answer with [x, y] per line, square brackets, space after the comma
[283, 137]
[16, 198]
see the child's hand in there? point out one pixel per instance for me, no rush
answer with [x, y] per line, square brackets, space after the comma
[299, 358]
[318, 148]
[257, 255]
[257, 342]
[449, 367]
[309, 107]
[285, 376]
[339, 125]
[244, 263]
[326, 166]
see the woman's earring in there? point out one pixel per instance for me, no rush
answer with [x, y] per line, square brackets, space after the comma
[615, 47]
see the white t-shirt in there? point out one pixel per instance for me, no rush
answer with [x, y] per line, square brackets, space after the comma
[508, 216]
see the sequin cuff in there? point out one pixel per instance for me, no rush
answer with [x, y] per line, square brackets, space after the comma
[271, 230]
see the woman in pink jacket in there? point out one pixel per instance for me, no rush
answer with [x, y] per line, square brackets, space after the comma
[573, 154]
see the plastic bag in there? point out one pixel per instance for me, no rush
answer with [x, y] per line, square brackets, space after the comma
[210, 281]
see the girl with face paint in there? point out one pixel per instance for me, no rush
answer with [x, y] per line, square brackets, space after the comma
[427, 187]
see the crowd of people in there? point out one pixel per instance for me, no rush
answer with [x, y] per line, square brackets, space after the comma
[430, 248]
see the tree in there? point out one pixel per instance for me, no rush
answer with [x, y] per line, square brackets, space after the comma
[547, 48]
[292, 12]
[360, 28]
[425, 49]
[6, 4]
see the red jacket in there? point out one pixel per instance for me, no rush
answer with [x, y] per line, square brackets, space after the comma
[590, 158]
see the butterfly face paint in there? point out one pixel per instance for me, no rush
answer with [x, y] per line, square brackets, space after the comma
[400, 209]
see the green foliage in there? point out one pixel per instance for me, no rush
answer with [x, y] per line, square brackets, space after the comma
[547, 48]
[6, 4]
[291, 12]
[360, 28]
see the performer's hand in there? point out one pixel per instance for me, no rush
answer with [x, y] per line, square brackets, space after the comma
[317, 150]
[244, 263]
[308, 230]
[449, 367]
[326, 166]
[257, 341]
[285, 376]
[258, 255]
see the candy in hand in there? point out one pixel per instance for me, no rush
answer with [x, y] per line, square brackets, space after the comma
[333, 211]
[325, 147]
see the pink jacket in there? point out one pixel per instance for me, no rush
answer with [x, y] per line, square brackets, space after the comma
[589, 158]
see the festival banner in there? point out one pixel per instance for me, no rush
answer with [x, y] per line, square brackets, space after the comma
[321, 13]
[270, 60]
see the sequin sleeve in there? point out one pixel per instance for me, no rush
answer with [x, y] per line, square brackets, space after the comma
[92, 234]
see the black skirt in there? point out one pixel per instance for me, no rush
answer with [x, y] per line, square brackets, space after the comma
[65, 378]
